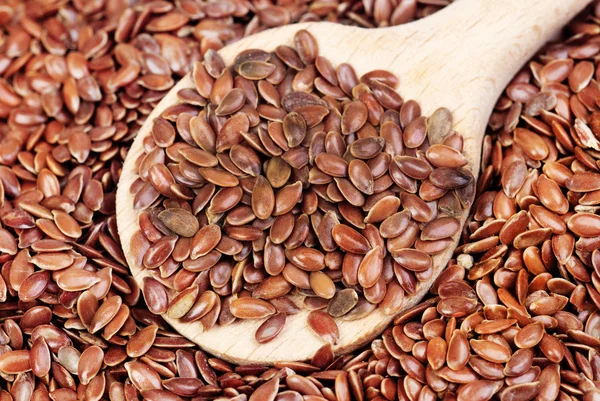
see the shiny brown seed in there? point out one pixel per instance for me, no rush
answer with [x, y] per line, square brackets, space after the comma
[529, 336]
[251, 308]
[395, 224]
[204, 304]
[519, 363]
[513, 178]
[551, 195]
[90, 363]
[522, 391]
[415, 132]
[306, 258]
[199, 157]
[446, 178]
[585, 224]
[349, 239]
[105, 313]
[413, 167]
[306, 46]
[440, 228]
[361, 176]
[294, 129]
[439, 124]
[436, 352]
[382, 209]
[13, 362]
[479, 390]
[332, 165]
[40, 358]
[267, 391]
[142, 376]
[456, 306]
[263, 198]
[76, 280]
[245, 159]
[155, 296]
[367, 148]
[393, 299]
[256, 70]
[354, 117]
[52, 260]
[141, 341]
[444, 156]
[270, 328]
[584, 182]
[371, 267]
[205, 240]
[458, 350]
[413, 259]
[231, 102]
[324, 326]
[490, 351]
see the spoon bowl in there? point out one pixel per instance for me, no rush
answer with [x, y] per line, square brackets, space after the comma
[460, 58]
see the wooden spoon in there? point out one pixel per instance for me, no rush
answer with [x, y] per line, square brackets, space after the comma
[460, 58]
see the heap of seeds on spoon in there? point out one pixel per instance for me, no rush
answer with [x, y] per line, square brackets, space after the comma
[284, 182]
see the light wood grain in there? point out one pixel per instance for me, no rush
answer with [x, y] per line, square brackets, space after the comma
[460, 58]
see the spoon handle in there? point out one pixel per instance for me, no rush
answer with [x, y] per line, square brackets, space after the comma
[496, 37]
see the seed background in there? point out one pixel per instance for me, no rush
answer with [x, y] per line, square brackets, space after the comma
[514, 315]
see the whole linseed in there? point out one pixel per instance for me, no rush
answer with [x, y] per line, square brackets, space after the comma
[499, 285]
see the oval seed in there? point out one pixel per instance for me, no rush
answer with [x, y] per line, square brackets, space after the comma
[180, 221]
[263, 198]
[270, 328]
[251, 308]
[324, 326]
